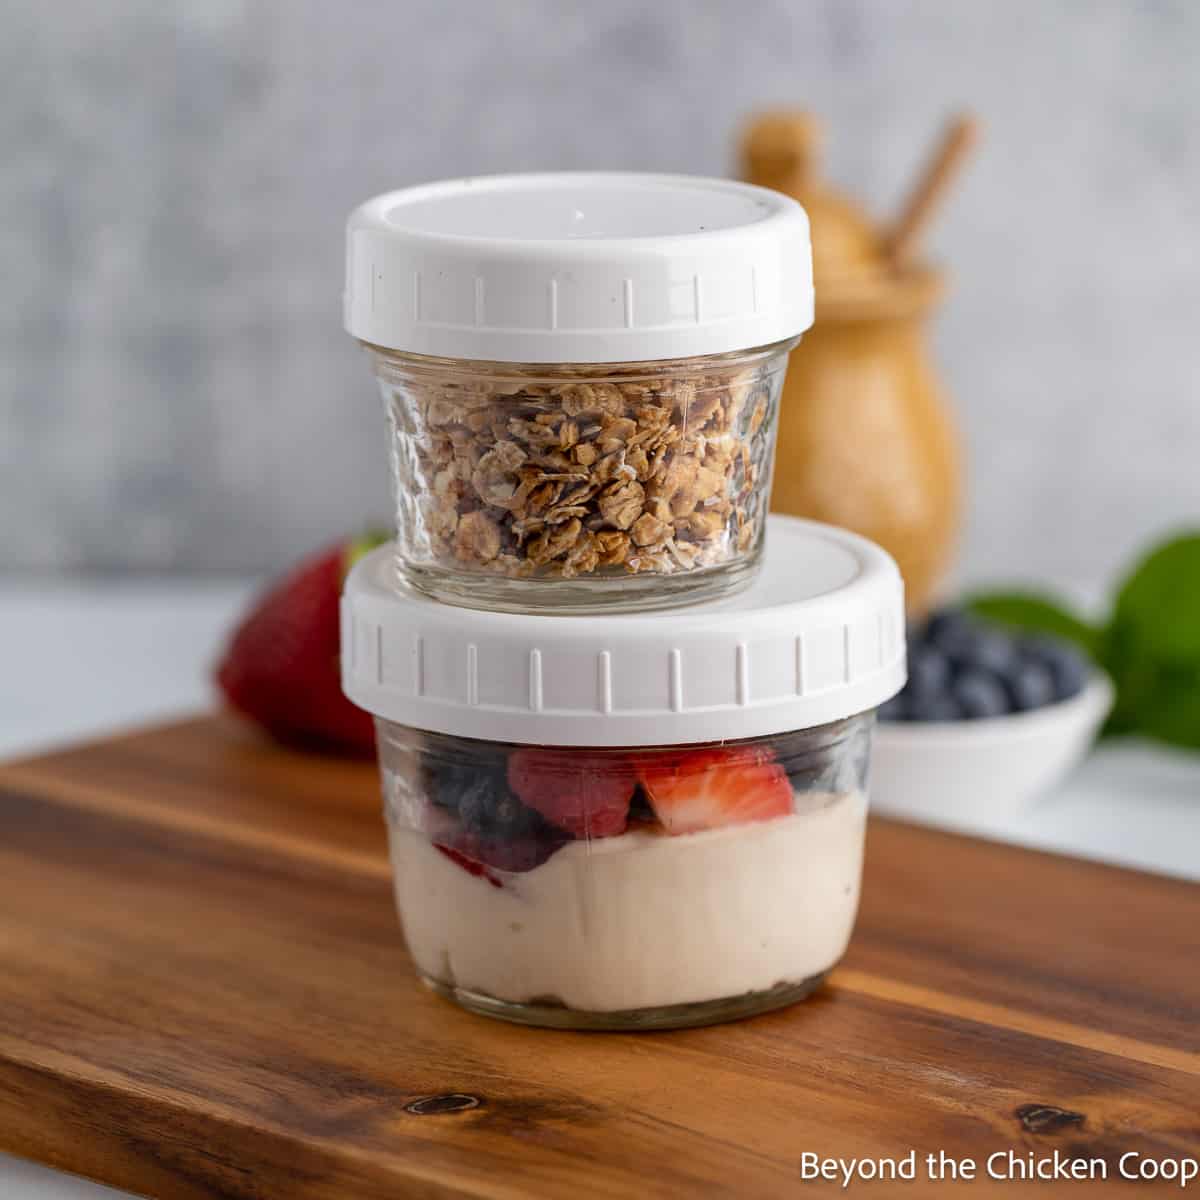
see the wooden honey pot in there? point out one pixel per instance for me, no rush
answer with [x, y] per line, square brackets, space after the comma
[865, 437]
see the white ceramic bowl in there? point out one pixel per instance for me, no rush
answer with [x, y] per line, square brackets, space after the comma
[968, 774]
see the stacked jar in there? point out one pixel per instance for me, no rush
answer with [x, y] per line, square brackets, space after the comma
[624, 764]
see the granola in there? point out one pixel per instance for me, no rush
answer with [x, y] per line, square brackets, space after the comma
[563, 477]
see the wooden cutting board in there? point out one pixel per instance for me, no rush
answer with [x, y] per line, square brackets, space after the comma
[204, 993]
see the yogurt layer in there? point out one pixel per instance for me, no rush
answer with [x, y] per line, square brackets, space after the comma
[642, 920]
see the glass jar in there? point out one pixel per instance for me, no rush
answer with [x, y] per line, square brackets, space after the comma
[626, 888]
[581, 375]
[639, 820]
[542, 489]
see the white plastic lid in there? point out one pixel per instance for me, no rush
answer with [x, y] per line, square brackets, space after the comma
[578, 267]
[819, 636]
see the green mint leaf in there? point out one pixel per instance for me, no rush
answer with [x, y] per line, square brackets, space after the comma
[1152, 646]
[1154, 698]
[1135, 678]
[1157, 610]
[1172, 712]
[1031, 612]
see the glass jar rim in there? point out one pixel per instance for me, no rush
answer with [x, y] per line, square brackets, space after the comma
[771, 356]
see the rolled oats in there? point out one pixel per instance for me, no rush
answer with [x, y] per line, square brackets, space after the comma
[648, 530]
[621, 503]
[477, 537]
[567, 477]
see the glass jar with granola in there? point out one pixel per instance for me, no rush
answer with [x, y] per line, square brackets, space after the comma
[581, 375]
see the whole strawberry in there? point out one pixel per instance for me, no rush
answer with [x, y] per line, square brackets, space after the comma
[281, 666]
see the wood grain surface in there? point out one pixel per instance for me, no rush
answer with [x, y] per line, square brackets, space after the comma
[205, 994]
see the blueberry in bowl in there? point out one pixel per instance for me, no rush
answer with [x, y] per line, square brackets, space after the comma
[988, 720]
[961, 669]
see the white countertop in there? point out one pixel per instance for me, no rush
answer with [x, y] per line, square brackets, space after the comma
[84, 659]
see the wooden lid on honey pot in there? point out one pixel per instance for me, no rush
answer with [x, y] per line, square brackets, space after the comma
[862, 269]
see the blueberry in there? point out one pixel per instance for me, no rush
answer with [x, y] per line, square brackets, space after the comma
[895, 709]
[991, 649]
[994, 650]
[1031, 685]
[928, 671]
[477, 804]
[980, 694]
[451, 774]
[522, 853]
[945, 627]
[933, 708]
[511, 818]
[446, 782]
[1067, 666]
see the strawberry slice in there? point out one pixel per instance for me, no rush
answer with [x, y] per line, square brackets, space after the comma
[281, 666]
[468, 864]
[707, 789]
[588, 795]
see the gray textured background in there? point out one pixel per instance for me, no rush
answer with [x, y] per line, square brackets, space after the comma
[177, 393]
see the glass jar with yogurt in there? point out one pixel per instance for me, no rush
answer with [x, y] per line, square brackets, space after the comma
[581, 376]
[638, 821]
